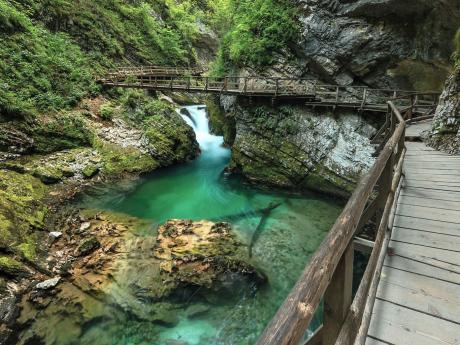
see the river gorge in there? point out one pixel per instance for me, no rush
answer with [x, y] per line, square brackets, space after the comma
[201, 190]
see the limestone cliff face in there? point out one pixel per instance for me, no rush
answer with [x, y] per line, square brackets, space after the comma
[295, 148]
[380, 43]
[445, 134]
[377, 43]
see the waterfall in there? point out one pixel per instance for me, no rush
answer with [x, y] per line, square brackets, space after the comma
[210, 145]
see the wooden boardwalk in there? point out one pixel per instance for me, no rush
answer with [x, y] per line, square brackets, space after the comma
[311, 91]
[418, 297]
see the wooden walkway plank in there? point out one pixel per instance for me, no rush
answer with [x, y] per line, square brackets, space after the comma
[420, 287]
[441, 204]
[425, 212]
[425, 267]
[418, 297]
[399, 325]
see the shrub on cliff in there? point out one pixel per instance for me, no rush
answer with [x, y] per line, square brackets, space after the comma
[257, 29]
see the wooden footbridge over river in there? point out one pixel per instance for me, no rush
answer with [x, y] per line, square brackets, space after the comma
[410, 291]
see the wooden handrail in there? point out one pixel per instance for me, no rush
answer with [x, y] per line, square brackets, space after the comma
[289, 324]
[293, 317]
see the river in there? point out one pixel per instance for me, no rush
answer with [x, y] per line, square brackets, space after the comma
[201, 190]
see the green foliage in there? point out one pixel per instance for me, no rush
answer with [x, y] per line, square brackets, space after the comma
[258, 28]
[51, 50]
[280, 122]
[107, 111]
[11, 19]
[39, 70]
[59, 132]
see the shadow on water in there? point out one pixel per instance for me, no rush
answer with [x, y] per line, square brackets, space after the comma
[281, 231]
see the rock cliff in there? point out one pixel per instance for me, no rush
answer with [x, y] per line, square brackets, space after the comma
[374, 43]
[445, 134]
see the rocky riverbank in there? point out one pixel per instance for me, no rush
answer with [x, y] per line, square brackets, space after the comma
[108, 266]
[47, 160]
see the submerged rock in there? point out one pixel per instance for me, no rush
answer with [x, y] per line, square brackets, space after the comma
[88, 246]
[200, 254]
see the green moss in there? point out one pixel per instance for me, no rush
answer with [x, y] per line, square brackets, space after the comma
[28, 250]
[220, 123]
[22, 211]
[117, 160]
[10, 266]
[323, 181]
[59, 132]
[107, 112]
[90, 171]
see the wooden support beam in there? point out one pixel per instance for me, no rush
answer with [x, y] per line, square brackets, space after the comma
[338, 297]
[316, 338]
[363, 246]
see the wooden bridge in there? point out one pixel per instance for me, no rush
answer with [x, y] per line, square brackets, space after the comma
[311, 91]
[410, 291]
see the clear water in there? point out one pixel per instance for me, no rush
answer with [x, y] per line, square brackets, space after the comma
[200, 190]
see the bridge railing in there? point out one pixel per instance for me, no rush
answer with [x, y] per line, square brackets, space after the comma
[328, 276]
[353, 96]
[126, 71]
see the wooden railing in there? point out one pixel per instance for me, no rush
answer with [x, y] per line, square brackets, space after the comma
[328, 276]
[357, 97]
[125, 71]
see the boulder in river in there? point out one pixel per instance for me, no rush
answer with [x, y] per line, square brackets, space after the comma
[200, 253]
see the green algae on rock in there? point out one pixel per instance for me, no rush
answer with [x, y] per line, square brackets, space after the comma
[122, 275]
[22, 212]
[295, 148]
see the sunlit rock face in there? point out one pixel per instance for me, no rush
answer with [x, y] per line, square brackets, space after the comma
[297, 148]
[382, 43]
[445, 134]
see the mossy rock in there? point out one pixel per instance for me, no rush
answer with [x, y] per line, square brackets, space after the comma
[88, 246]
[22, 211]
[10, 267]
[219, 122]
[90, 171]
[59, 132]
[48, 177]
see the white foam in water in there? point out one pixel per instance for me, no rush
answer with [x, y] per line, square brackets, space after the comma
[193, 332]
[210, 144]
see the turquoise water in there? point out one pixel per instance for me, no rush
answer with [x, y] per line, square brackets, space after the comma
[201, 190]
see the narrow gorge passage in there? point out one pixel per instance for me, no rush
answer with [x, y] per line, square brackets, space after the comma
[201, 190]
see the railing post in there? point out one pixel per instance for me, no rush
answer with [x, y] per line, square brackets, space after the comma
[337, 95]
[225, 86]
[245, 85]
[171, 83]
[411, 110]
[206, 83]
[363, 103]
[277, 87]
[338, 297]
[188, 83]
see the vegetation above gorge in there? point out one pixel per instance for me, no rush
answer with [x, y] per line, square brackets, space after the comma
[255, 30]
